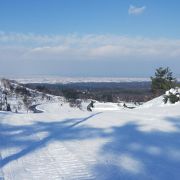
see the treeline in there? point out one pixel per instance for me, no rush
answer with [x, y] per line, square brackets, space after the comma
[162, 81]
[106, 92]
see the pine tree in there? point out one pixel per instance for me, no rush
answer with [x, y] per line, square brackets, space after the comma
[162, 81]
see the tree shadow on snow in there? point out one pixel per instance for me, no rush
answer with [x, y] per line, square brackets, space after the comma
[22, 136]
[134, 154]
[129, 153]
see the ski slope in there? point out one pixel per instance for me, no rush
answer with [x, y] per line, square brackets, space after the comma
[108, 143]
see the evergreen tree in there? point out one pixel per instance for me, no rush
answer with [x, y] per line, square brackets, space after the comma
[162, 81]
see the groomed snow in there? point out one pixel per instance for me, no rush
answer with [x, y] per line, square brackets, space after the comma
[105, 144]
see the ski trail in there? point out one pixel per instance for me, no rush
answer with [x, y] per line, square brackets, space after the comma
[53, 160]
[69, 165]
[66, 162]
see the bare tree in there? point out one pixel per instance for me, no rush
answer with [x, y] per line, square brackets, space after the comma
[27, 102]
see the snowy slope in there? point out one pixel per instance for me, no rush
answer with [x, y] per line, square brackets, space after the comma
[110, 142]
[154, 102]
[15, 94]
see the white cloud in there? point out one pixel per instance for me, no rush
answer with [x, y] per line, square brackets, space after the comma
[86, 47]
[133, 10]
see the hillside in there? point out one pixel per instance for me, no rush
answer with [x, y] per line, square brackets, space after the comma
[20, 98]
[111, 142]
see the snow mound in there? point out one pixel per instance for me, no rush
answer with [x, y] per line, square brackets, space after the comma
[154, 102]
[158, 102]
[106, 106]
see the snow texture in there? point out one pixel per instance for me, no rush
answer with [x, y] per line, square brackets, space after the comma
[111, 142]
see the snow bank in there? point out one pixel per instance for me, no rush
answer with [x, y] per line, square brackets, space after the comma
[111, 142]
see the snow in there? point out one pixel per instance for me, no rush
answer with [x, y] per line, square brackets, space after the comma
[16, 99]
[111, 142]
[156, 102]
[106, 106]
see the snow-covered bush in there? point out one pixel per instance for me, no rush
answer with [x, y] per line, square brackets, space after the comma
[172, 96]
[75, 103]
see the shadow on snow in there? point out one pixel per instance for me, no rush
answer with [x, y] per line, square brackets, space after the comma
[21, 136]
[134, 154]
[129, 153]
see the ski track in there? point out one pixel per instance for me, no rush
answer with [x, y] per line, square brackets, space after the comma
[52, 161]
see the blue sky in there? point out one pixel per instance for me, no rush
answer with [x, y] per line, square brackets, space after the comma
[89, 37]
